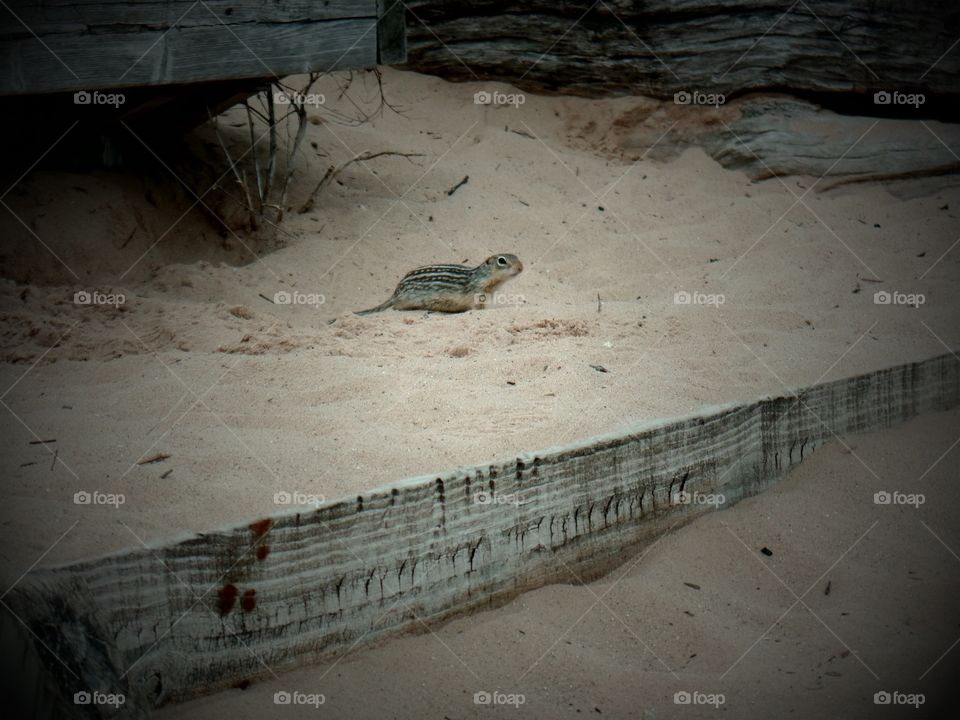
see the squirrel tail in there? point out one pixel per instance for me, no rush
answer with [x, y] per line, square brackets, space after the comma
[378, 308]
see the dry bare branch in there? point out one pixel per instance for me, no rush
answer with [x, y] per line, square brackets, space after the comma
[333, 171]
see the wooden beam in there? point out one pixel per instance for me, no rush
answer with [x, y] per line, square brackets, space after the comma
[118, 60]
[53, 17]
[179, 618]
[65, 46]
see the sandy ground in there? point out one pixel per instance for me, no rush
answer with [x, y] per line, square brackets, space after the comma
[249, 398]
[855, 598]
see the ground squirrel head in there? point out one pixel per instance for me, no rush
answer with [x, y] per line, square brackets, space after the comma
[495, 270]
[506, 265]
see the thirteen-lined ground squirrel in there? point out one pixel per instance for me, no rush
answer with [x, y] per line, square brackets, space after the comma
[451, 288]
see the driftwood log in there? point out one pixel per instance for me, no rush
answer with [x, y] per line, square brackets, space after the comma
[179, 618]
[660, 47]
[776, 135]
[782, 65]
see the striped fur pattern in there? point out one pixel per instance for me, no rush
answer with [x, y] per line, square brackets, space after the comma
[450, 288]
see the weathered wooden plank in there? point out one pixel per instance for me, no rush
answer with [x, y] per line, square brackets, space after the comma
[49, 17]
[116, 60]
[659, 47]
[179, 618]
[778, 135]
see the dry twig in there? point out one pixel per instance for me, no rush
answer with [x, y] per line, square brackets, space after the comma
[333, 171]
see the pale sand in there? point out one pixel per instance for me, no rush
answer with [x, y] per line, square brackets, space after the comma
[763, 631]
[250, 398]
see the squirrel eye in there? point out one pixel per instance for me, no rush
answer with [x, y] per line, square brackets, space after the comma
[502, 261]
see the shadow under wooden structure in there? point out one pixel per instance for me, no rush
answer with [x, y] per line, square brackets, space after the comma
[165, 67]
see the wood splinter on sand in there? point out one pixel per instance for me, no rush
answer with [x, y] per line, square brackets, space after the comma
[460, 184]
[158, 457]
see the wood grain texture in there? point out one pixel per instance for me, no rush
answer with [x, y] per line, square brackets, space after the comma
[59, 45]
[49, 17]
[179, 618]
[659, 47]
[777, 135]
[157, 57]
